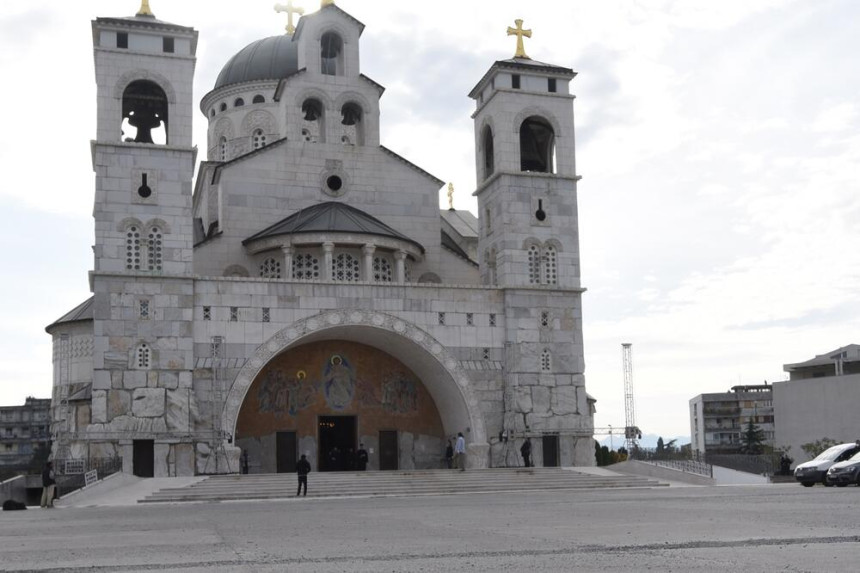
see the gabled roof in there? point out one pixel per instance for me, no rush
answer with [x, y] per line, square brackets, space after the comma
[331, 217]
[82, 312]
[462, 221]
[452, 246]
[301, 27]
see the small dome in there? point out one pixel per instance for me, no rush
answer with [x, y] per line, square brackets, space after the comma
[267, 59]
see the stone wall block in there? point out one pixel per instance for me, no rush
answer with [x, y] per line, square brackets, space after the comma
[162, 454]
[118, 404]
[148, 402]
[524, 400]
[99, 407]
[178, 413]
[134, 379]
[406, 443]
[152, 379]
[168, 380]
[564, 400]
[540, 399]
[101, 380]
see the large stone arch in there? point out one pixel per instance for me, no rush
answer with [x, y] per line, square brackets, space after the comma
[439, 371]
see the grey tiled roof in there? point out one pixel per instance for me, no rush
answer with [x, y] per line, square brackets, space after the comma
[83, 311]
[331, 217]
[464, 222]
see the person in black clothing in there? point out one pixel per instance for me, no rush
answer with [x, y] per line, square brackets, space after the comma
[48, 485]
[303, 468]
[449, 455]
[526, 451]
[361, 458]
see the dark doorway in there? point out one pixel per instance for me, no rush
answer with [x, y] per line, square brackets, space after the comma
[143, 460]
[388, 450]
[337, 443]
[285, 452]
[550, 451]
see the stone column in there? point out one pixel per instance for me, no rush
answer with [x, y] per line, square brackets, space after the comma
[368, 250]
[328, 251]
[288, 261]
[400, 267]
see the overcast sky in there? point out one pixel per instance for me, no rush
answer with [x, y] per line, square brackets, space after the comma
[719, 144]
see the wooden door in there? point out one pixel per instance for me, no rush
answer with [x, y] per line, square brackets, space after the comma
[388, 450]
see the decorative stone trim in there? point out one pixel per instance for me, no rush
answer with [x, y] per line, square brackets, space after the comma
[294, 335]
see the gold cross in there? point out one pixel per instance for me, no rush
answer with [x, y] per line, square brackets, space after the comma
[290, 10]
[451, 196]
[325, 3]
[144, 9]
[519, 33]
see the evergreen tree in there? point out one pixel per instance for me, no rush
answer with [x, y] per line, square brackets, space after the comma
[752, 439]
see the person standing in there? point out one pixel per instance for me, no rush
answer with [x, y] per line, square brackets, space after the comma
[49, 483]
[361, 458]
[303, 468]
[460, 452]
[449, 455]
[526, 451]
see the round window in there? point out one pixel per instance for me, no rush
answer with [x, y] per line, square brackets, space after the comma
[334, 183]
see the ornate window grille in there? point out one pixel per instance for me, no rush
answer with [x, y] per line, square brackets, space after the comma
[345, 268]
[132, 242]
[306, 267]
[155, 252]
[382, 270]
[534, 265]
[270, 269]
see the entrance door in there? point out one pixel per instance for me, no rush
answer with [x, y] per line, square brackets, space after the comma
[550, 451]
[337, 443]
[388, 450]
[285, 452]
[143, 459]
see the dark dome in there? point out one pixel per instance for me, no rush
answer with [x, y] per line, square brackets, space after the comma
[267, 59]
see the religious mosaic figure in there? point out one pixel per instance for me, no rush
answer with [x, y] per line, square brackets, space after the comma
[400, 396]
[338, 383]
[281, 395]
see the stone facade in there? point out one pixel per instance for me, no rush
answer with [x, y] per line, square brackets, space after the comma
[303, 232]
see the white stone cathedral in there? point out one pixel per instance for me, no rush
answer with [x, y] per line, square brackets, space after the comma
[304, 294]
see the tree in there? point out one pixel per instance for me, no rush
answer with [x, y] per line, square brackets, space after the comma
[752, 439]
[812, 449]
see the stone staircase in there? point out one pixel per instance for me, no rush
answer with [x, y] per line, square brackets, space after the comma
[399, 483]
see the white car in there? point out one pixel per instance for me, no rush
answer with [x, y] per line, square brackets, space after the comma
[808, 473]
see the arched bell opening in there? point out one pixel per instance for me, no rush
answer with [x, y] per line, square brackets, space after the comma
[489, 151]
[331, 54]
[313, 121]
[144, 113]
[352, 124]
[537, 145]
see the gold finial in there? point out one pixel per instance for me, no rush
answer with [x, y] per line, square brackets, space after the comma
[325, 3]
[450, 196]
[290, 10]
[519, 33]
[145, 9]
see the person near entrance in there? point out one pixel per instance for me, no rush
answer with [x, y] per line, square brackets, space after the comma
[49, 483]
[449, 455]
[303, 468]
[460, 452]
[526, 451]
[361, 458]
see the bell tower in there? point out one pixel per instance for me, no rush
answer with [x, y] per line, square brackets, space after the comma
[142, 277]
[529, 246]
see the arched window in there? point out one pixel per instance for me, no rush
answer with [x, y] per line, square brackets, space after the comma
[222, 148]
[489, 153]
[212, 112]
[345, 268]
[382, 270]
[331, 54]
[534, 265]
[144, 113]
[239, 102]
[154, 250]
[258, 139]
[407, 271]
[537, 145]
[259, 99]
[132, 244]
[545, 361]
[270, 269]
[306, 267]
[352, 124]
[223, 106]
[550, 265]
[143, 357]
[313, 130]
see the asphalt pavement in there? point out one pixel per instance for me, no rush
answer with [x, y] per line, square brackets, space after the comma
[753, 528]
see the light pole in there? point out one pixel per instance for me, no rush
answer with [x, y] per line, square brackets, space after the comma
[611, 441]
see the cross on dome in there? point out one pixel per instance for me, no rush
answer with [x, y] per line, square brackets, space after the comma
[519, 33]
[290, 10]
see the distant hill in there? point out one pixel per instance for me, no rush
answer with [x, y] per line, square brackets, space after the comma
[648, 441]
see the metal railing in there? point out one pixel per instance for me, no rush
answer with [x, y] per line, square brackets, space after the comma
[71, 473]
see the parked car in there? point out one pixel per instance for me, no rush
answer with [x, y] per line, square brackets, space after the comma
[841, 474]
[813, 471]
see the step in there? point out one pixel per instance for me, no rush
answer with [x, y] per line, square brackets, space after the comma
[399, 483]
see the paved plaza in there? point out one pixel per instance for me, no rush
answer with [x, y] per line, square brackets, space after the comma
[757, 528]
